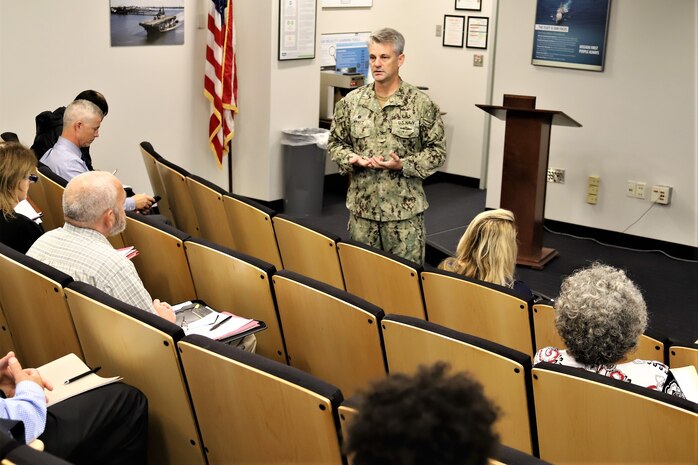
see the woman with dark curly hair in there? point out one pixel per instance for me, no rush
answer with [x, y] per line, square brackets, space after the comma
[431, 417]
[17, 171]
[600, 315]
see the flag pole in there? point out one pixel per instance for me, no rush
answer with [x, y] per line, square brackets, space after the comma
[230, 166]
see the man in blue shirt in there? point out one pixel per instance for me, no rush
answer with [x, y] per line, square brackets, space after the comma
[81, 122]
[107, 425]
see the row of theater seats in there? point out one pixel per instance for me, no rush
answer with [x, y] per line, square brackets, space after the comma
[490, 311]
[205, 210]
[324, 333]
[208, 402]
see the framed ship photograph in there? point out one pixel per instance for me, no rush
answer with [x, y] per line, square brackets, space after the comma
[138, 22]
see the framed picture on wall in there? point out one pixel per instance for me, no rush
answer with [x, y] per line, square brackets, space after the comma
[297, 20]
[345, 3]
[472, 5]
[476, 35]
[453, 31]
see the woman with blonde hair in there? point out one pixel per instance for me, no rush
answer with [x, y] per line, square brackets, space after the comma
[487, 251]
[17, 171]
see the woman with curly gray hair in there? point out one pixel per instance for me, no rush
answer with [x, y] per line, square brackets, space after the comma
[600, 315]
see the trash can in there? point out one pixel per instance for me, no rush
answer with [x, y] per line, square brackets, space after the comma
[303, 162]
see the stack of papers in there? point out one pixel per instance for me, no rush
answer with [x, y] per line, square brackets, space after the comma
[26, 209]
[198, 318]
[128, 252]
[230, 325]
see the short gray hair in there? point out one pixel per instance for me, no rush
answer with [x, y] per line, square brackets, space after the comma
[88, 195]
[390, 36]
[79, 109]
[600, 314]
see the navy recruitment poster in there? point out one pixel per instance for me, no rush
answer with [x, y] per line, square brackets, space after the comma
[571, 33]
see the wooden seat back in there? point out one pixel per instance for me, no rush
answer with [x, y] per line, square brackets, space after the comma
[141, 347]
[393, 283]
[308, 251]
[583, 417]
[329, 333]
[252, 229]
[259, 410]
[481, 309]
[231, 281]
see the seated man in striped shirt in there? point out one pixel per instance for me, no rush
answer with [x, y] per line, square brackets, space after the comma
[93, 209]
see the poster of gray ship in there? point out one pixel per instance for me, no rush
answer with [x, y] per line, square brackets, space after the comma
[146, 22]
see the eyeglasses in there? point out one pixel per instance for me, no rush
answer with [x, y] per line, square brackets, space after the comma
[33, 178]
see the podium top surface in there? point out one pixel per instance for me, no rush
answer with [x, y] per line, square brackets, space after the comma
[558, 118]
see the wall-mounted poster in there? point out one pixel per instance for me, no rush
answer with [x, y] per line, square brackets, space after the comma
[139, 22]
[328, 46]
[571, 33]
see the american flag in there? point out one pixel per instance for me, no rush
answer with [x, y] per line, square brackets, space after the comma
[220, 82]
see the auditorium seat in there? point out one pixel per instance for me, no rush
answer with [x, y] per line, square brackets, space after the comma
[34, 303]
[207, 199]
[162, 262]
[683, 354]
[252, 228]
[584, 417]
[482, 309]
[504, 373]
[174, 180]
[6, 342]
[150, 159]
[231, 281]
[308, 251]
[52, 187]
[255, 410]
[392, 283]
[329, 332]
[141, 347]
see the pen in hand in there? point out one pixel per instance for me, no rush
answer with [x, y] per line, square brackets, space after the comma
[82, 375]
[220, 322]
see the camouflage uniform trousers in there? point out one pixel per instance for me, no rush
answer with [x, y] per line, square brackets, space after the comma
[404, 238]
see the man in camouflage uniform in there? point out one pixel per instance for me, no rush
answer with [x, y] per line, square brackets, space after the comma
[387, 136]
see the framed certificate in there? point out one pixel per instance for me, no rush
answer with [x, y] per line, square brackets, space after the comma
[297, 20]
[453, 31]
[472, 5]
[477, 32]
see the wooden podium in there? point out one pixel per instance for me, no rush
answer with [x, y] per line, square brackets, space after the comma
[524, 173]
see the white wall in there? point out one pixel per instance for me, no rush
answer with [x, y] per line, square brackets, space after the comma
[639, 117]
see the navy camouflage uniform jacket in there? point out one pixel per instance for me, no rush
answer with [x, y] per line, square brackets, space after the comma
[410, 125]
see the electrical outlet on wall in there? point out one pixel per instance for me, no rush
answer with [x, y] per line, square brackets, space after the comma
[640, 190]
[661, 194]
